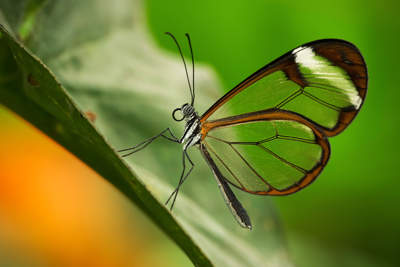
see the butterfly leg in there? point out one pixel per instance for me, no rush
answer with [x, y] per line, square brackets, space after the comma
[182, 179]
[148, 141]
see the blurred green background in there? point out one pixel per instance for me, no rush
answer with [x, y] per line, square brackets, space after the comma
[351, 212]
[348, 217]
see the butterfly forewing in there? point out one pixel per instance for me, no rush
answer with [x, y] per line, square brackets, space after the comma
[270, 152]
[324, 81]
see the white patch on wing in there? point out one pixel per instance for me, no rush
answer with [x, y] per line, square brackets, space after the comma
[332, 75]
[298, 49]
[307, 58]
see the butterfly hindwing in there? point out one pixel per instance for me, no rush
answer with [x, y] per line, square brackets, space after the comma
[272, 152]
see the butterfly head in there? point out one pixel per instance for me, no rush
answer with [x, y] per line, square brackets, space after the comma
[187, 112]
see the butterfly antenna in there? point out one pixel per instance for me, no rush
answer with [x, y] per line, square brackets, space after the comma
[184, 63]
[191, 52]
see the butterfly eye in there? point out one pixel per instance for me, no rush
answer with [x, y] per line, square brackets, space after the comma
[187, 110]
[174, 116]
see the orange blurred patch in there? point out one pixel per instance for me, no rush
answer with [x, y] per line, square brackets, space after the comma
[56, 207]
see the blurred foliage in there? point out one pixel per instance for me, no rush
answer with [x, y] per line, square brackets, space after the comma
[349, 216]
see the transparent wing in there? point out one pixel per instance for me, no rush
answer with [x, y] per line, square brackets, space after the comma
[268, 152]
[325, 81]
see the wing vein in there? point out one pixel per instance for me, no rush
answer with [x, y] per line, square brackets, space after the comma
[269, 139]
[224, 164]
[289, 98]
[251, 168]
[322, 102]
[300, 169]
[330, 88]
[294, 138]
[227, 142]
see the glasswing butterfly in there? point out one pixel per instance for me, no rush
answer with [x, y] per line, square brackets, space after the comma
[269, 134]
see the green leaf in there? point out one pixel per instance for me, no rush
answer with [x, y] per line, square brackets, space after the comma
[96, 56]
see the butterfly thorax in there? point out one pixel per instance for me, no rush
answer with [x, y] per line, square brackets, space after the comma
[191, 135]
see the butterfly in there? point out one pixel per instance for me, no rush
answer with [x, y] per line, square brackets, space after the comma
[269, 134]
